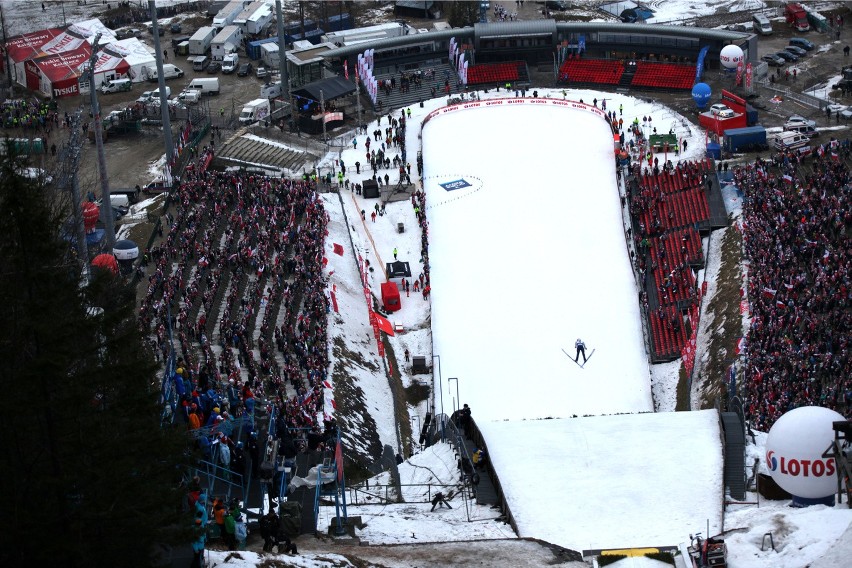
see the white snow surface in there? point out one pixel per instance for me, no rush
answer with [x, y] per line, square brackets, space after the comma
[603, 467]
[546, 214]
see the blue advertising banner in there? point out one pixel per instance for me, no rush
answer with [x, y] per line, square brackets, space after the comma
[457, 184]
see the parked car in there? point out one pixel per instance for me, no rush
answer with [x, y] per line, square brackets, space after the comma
[261, 72]
[160, 30]
[787, 56]
[846, 114]
[145, 97]
[803, 43]
[245, 70]
[214, 68]
[175, 28]
[773, 60]
[156, 187]
[835, 108]
[557, 5]
[797, 119]
[796, 50]
[721, 110]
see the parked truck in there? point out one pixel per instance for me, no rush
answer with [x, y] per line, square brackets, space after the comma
[226, 41]
[796, 16]
[269, 54]
[845, 83]
[255, 110]
[241, 21]
[257, 22]
[199, 43]
[228, 14]
[748, 139]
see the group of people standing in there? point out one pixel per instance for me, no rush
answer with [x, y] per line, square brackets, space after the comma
[796, 238]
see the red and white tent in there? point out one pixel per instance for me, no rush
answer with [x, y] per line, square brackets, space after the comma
[25, 47]
[59, 75]
[108, 67]
[135, 54]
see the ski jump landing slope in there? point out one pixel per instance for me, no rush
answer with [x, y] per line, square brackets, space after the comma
[527, 254]
[611, 481]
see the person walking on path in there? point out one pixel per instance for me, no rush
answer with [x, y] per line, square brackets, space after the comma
[395, 251]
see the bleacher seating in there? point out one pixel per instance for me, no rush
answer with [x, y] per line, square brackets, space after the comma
[673, 206]
[663, 75]
[668, 335]
[495, 73]
[596, 71]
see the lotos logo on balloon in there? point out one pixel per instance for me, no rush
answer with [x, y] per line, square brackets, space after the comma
[800, 467]
[771, 462]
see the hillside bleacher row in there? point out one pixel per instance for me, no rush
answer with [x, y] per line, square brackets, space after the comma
[669, 209]
[597, 71]
[646, 74]
[498, 73]
[663, 75]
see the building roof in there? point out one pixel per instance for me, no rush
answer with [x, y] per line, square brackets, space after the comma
[332, 88]
[652, 29]
[28, 46]
[519, 28]
[536, 27]
[414, 4]
[64, 65]
[132, 50]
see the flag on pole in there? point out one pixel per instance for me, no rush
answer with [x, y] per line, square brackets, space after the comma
[384, 324]
[338, 460]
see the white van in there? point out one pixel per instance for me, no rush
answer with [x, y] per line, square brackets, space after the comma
[801, 128]
[230, 63]
[791, 141]
[206, 85]
[200, 63]
[116, 86]
[169, 72]
[189, 96]
[155, 94]
[761, 24]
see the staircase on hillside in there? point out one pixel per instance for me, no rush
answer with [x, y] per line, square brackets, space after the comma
[415, 95]
[486, 494]
[251, 151]
[627, 77]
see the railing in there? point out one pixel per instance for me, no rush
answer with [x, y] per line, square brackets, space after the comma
[382, 493]
[802, 98]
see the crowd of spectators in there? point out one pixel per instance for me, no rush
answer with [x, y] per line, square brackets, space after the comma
[796, 240]
[237, 285]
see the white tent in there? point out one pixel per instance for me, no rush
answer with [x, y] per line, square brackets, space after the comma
[135, 53]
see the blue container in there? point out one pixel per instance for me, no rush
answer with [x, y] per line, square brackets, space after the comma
[714, 150]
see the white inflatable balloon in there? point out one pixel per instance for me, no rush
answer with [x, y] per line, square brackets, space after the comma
[730, 56]
[794, 450]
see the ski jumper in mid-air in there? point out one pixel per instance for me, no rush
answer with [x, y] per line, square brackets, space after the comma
[581, 348]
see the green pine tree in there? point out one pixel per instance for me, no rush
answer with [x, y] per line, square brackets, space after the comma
[462, 14]
[89, 478]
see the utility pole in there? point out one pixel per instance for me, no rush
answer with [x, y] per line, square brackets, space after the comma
[322, 110]
[106, 203]
[6, 51]
[358, 98]
[69, 158]
[282, 55]
[164, 99]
